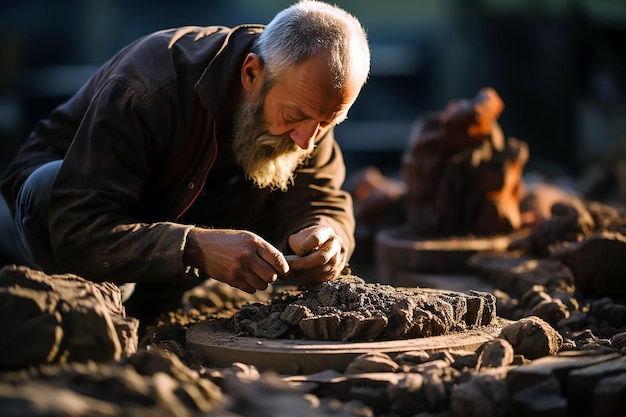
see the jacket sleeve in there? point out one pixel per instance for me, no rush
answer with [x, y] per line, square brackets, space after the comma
[93, 232]
[317, 198]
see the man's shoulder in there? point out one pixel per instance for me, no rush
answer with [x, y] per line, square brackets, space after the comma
[167, 57]
[189, 35]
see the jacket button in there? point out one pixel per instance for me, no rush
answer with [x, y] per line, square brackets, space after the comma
[106, 265]
[191, 185]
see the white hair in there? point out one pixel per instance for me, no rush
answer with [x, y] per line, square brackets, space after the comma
[310, 28]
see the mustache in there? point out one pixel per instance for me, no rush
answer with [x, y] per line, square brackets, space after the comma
[276, 144]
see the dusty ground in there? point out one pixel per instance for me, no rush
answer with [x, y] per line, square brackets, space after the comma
[515, 374]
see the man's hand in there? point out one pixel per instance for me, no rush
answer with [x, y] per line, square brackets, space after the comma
[321, 255]
[238, 258]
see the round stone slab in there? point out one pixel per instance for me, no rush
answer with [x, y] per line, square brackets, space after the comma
[221, 348]
[399, 248]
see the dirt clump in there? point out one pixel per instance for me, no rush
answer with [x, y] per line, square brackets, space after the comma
[349, 309]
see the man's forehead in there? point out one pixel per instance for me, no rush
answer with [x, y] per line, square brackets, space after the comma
[331, 112]
[308, 88]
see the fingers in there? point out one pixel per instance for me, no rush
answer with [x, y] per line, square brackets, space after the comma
[250, 283]
[318, 274]
[274, 259]
[324, 264]
[263, 269]
[310, 239]
[244, 286]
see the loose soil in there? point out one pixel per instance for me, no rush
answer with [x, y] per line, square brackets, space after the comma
[349, 309]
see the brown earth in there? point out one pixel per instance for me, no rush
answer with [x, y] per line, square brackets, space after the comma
[529, 367]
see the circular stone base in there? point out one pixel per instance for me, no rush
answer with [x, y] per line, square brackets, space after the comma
[221, 348]
[399, 252]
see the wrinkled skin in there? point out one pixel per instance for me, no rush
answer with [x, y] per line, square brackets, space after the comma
[321, 255]
[245, 261]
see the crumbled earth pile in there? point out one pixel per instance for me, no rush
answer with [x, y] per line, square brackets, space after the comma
[349, 309]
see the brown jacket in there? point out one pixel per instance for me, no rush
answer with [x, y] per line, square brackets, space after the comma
[142, 140]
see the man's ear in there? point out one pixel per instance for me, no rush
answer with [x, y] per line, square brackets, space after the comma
[252, 72]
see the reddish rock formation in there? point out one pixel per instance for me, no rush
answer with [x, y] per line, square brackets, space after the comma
[463, 176]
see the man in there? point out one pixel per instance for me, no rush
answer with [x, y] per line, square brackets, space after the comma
[206, 150]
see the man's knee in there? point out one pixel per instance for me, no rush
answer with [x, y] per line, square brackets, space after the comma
[31, 216]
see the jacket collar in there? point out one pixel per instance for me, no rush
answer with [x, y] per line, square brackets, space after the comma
[215, 84]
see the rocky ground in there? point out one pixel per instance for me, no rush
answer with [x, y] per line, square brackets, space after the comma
[69, 350]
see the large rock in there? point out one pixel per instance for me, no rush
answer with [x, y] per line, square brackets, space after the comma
[596, 263]
[61, 318]
[532, 337]
[463, 176]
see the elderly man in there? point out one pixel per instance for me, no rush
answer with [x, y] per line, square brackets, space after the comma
[199, 152]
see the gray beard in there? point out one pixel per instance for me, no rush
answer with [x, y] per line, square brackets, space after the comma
[270, 161]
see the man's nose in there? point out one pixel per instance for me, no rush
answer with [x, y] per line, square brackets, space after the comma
[304, 134]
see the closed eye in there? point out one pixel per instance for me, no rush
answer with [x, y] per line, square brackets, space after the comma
[295, 118]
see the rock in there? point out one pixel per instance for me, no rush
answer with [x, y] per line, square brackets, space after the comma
[326, 327]
[551, 311]
[237, 370]
[463, 177]
[495, 354]
[443, 355]
[532, 337]
[417, 393]
[574, 322]
[618, 341]
[412, 357]
[596, 263]
[508, 307]
[484, 395]
[609, 397]
[515, 274]
[480, 308]
[535, 295]
[152, 383]
[378, 200]
[587, 386]
[438, 366]
[371, 362]
[569, 221]
[540, 400]
[552, 367]
[464, 360]
[61, 318]
[372, 389]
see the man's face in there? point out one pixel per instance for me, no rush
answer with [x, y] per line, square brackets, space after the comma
[268, 160]
[276, 127]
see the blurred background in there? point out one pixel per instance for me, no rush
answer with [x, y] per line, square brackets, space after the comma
[559, 66]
